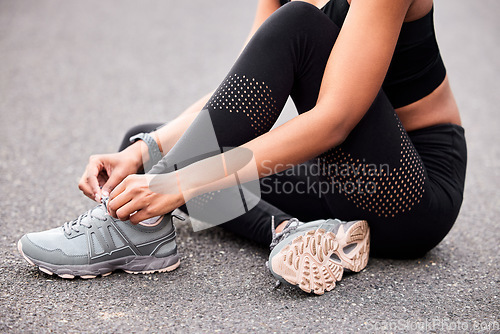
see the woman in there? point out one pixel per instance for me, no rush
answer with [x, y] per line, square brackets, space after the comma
[377, 119]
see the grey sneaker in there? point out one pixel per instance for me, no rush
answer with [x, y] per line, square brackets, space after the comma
[97, 244]
[313, 255]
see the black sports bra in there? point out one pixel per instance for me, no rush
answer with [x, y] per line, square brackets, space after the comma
[416, 68]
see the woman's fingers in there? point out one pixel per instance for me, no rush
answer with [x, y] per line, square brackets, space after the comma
[122, 203]
[110, 184]
[92, 173]
[121, 187]
[89, 182]
[105, 171]
[85, 187]
[125, 211]
[133, 200]
[120, 196]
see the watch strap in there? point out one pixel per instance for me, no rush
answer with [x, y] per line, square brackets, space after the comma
[153, 149]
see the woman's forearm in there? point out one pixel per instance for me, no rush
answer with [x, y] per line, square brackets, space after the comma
[300, 139]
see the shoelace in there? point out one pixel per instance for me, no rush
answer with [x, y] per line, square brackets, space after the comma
[75, 225]
[291, 226]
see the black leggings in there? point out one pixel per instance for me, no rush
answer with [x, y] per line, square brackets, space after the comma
[408, 186]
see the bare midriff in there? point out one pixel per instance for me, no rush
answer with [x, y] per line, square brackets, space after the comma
[439, 107]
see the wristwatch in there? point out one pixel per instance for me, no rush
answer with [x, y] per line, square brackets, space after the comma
[153, 149]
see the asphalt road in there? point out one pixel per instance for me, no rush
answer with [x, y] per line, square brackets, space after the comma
[74, 75]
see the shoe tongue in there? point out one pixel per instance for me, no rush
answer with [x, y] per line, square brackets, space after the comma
[100, 211]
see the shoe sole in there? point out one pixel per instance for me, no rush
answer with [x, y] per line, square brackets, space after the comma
[316, 260]
[129, 264]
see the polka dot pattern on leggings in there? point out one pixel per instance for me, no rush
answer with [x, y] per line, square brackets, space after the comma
[201, 201]
[241, 94]
[379, 189]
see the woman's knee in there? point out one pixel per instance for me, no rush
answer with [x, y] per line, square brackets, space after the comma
[298, 17]
[300, 10]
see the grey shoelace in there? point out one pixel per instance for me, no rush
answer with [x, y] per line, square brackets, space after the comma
[291, 226]
[75, 225]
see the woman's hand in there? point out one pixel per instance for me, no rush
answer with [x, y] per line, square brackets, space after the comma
[107, 170]
[139, 197]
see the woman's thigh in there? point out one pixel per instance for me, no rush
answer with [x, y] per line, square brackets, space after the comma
[378, 175]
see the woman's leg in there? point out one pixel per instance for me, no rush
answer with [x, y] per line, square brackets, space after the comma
[376, 174]
[287, 56]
